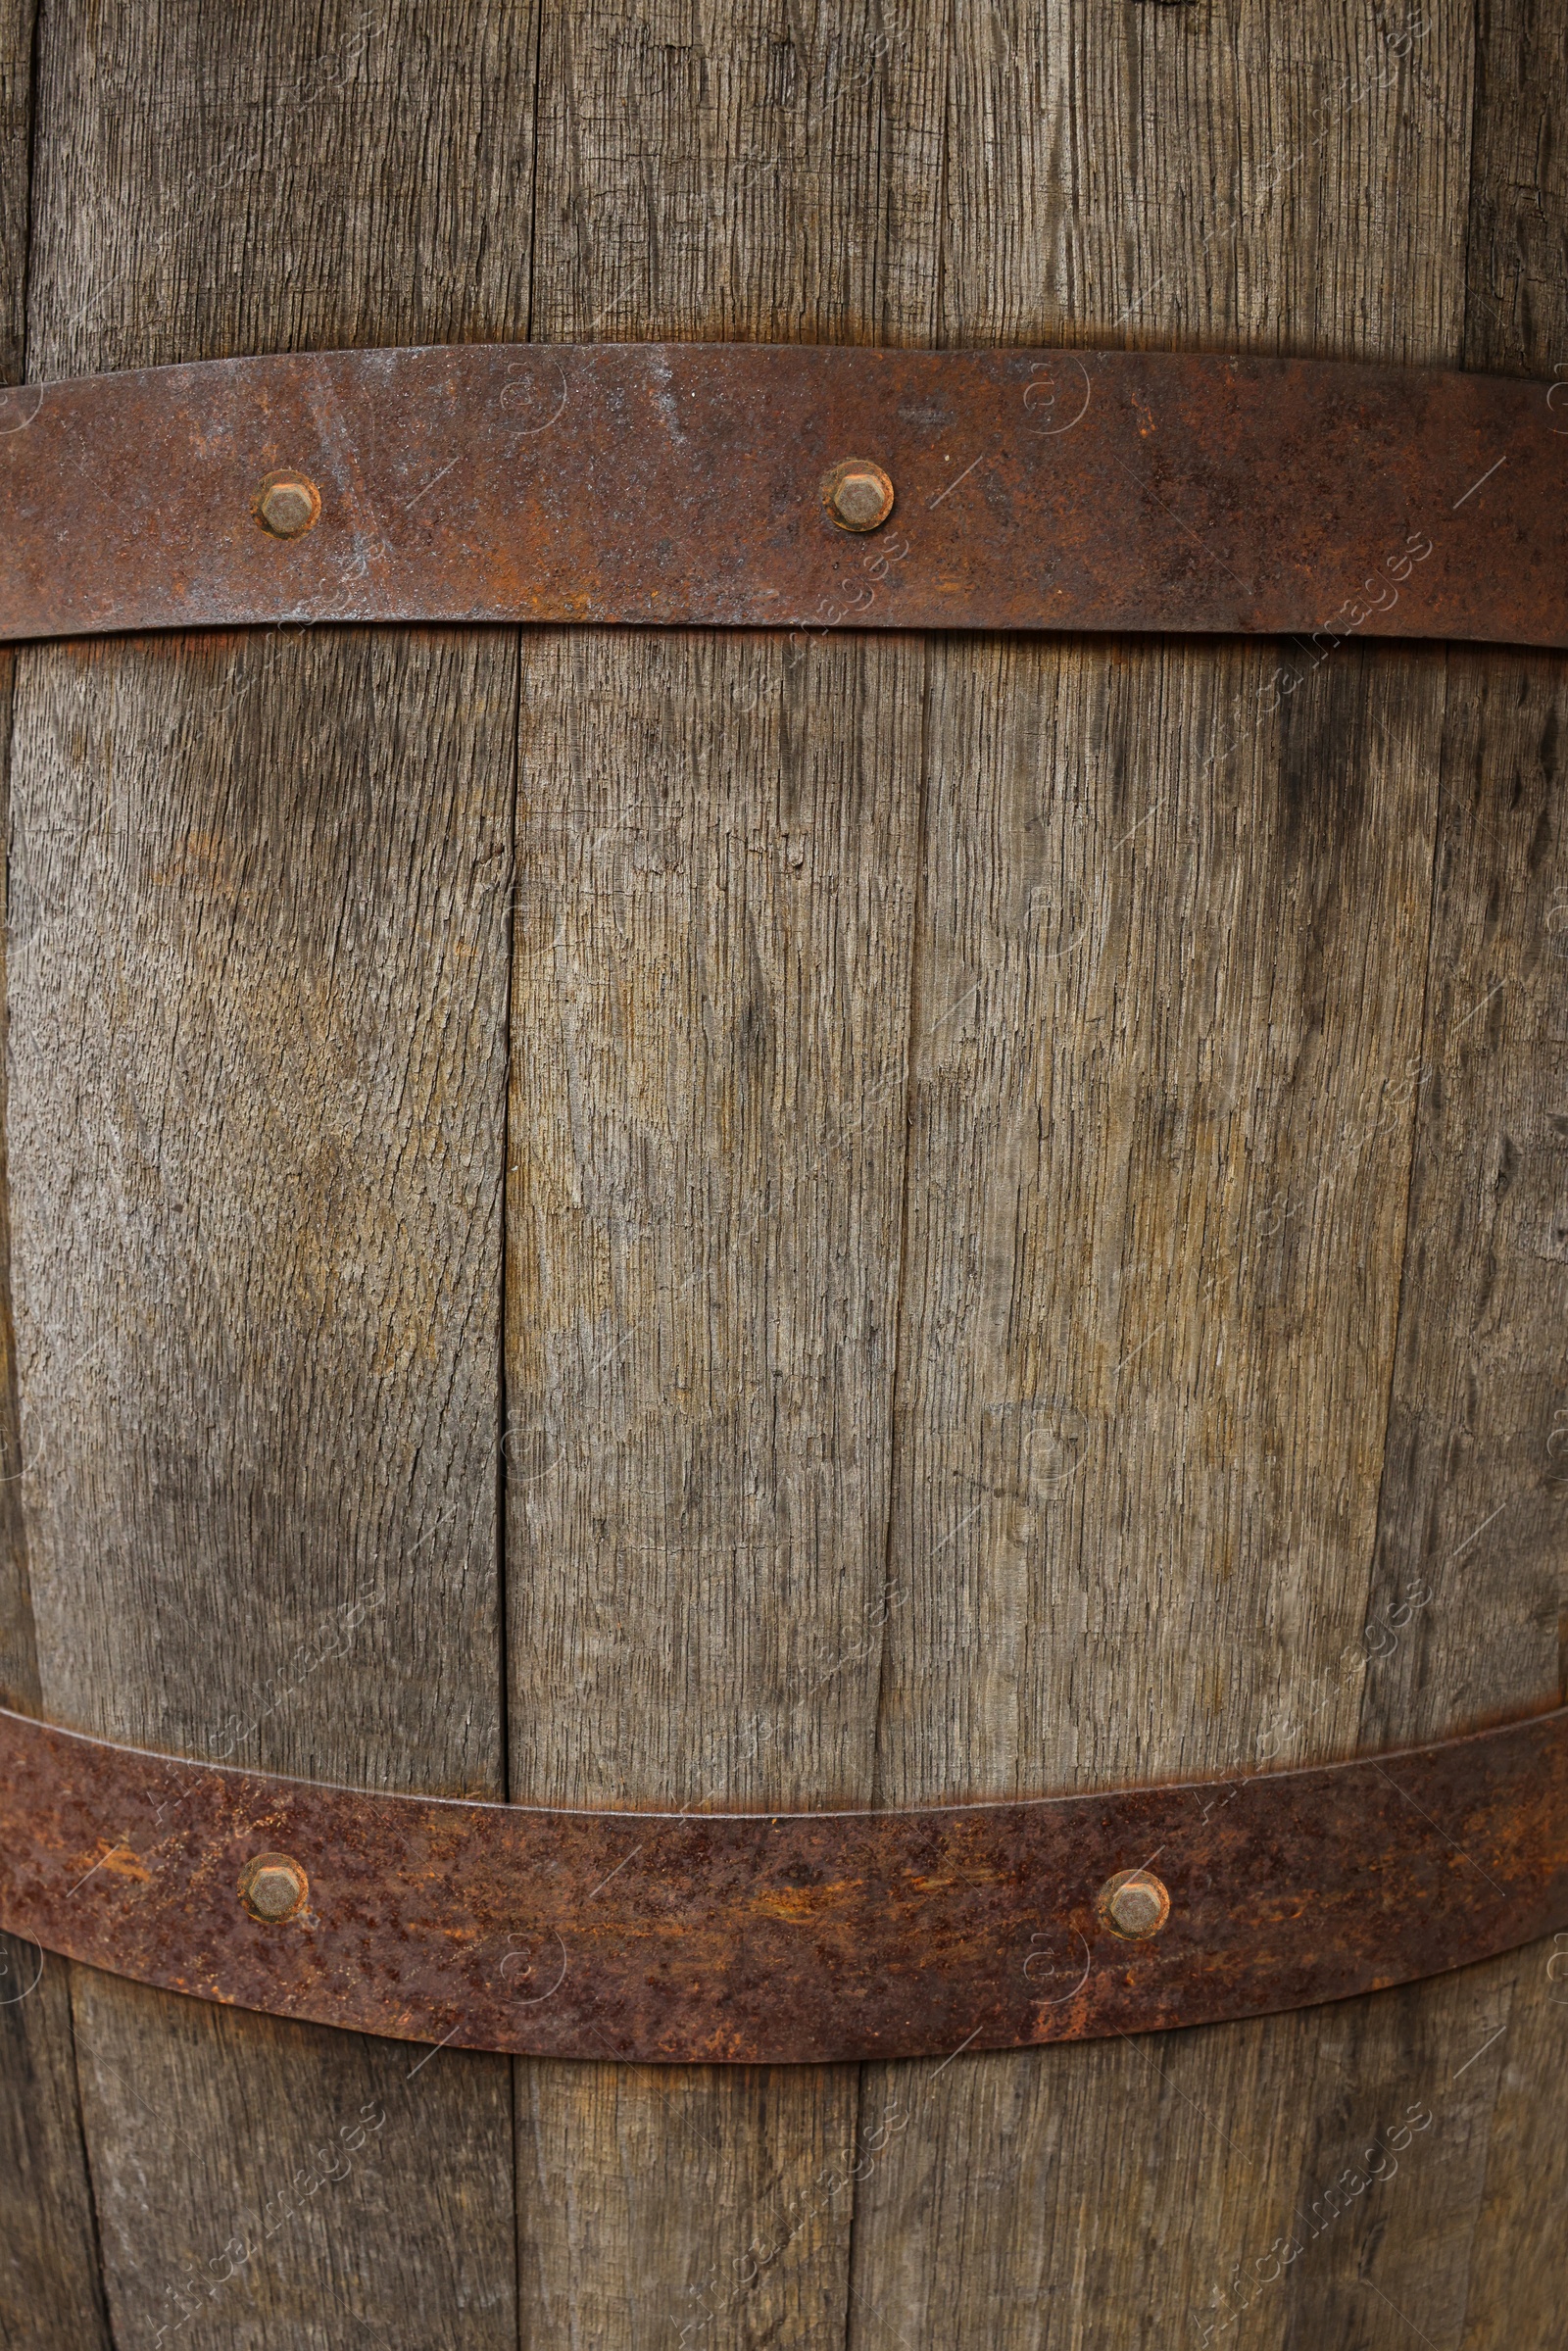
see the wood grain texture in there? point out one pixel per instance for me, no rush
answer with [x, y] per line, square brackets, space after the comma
[256, 1074]
[1021, 1180]
[1137, 2192]
[19, 1650]
[1221, 177]
[1158, 1201]
[1145, 1353]
[1479, 1400]
[279, 177]
[17, 1658]
[1471, 1574]
[336, 2188]
[258, 929]
[1514, 2295]
[739, 172]
[50, 2296]
[1516, 279]
[18, 26]
[664, 2206]
[50, 2293]
[716, 874]
[1474, 1510]
[18, 1654]
[1479, 1403]
[258, 1081]
[716, 896]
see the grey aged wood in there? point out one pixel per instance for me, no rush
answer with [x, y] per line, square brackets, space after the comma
[17, 1657]
[716, 851]
[17, 32]
[716, 895]
[1516, 282]
[50, 2296]
[1475, 1498]
[1474, 1515]
[1158, 1210]
[256, 1129]
[258, 1054]
[1481, 1393]
[996, 1205]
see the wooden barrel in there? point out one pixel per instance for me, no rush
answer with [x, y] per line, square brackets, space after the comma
[670, 1219]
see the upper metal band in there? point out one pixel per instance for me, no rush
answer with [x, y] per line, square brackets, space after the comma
[706, 483]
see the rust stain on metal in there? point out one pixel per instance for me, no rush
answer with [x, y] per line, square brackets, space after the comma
[123, 1861]
[670, 483]
[742, 1939]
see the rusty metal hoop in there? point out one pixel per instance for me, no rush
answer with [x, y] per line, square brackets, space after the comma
[748, 1938]
[689, 483]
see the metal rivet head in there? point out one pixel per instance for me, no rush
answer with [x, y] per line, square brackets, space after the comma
[857, 495]
[288, 505]
[1134, 1904]
[272, 1887]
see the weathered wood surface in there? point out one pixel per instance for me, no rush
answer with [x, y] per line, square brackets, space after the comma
[1487, 1260]
[1027, 1204]
[1148, 1352]
[716, 861]
[50, 2296]
[1163, 1186]
[257, 1120]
